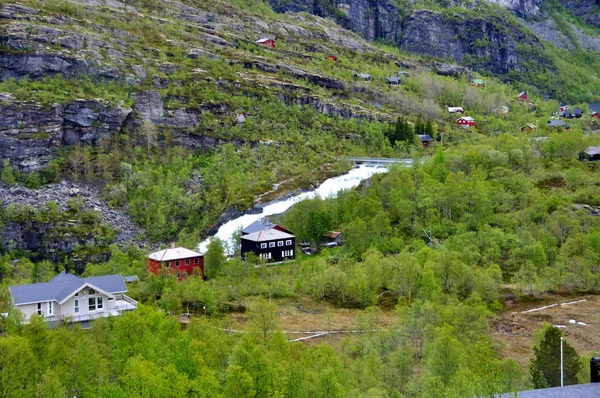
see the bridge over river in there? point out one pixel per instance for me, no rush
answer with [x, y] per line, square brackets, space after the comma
[381, 161]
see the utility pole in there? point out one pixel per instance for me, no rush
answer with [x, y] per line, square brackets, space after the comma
[562, 373]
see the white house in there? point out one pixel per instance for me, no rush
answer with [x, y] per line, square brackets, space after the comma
[70, 297]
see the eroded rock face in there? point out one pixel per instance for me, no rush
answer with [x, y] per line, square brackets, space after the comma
[482, 43]
[524, 8]
[31, 133]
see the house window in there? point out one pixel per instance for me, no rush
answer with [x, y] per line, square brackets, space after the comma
[265, 256]
[196, 261]
[263, 245]
[76, 306]
[92, 304]
[99, 303]
[168, 264]
[288, 253]
[76, 294]
[288, 242]
[178, 275]
[280, 243]
[271, 244]
[39, 310]
[49, 307]
[91, 291]
[187, 262]
[177, 263]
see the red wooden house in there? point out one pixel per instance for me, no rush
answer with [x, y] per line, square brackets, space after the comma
[524, 96]
[596, 115]
[332, 57]
[265, 41]
[177, 261]
[466, 121]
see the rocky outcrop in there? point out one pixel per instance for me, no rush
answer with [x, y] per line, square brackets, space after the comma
[31, 133]
[587, 10]
[297, 73]
[523, 8]
[379, 19]
[71, 239]
[481, 43]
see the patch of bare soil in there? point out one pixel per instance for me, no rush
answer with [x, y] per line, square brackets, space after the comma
[514, 330]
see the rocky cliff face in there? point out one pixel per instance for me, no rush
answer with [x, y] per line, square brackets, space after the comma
[588, 10]
[523, 8]
[484, 42]
[31, 133]
[481, 43]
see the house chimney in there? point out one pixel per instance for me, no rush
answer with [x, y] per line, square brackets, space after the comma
[595, 370]
[173, 245]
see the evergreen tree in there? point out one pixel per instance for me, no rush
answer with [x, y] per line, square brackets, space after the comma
[7, 177]
[545, 365]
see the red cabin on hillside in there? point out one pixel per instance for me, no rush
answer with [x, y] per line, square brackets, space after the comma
[524, 96]
[265, 41]
[177, 261]
[596, 115]
[466, 121]
[332, 57]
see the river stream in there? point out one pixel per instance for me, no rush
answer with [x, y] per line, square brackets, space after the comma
[329, 188]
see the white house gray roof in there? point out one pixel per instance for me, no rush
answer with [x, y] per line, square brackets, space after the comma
[64, 285]
[268, 235]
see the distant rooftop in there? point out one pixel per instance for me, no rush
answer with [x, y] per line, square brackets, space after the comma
[591, 390]
[592, 150]
[258, 225]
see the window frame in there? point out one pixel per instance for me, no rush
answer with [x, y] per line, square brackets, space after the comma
[76, 307]
[177, 263]
[196, 260]
[90, 305]
[271, 245]
[263, 245]
[280, 243]
[39, 308]
[288, 242]
[187, 262]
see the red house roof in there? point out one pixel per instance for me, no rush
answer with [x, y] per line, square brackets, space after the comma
[523, 96]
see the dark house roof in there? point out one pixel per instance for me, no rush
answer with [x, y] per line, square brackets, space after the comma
[392, 80]
[577, 111]
[63, 286]
[556, 123]
[259, 225]
[591, 390]
[592, 150]
[425, 137]
[268, 235]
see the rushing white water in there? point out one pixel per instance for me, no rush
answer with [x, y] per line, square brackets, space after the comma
[329, 188]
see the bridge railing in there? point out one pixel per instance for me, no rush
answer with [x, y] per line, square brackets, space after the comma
[380, 160]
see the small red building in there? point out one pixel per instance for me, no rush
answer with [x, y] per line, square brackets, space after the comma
[523, 96]
[466, 121]
[177, 261]
[265, 41]
[596, 115]
[332, 57]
